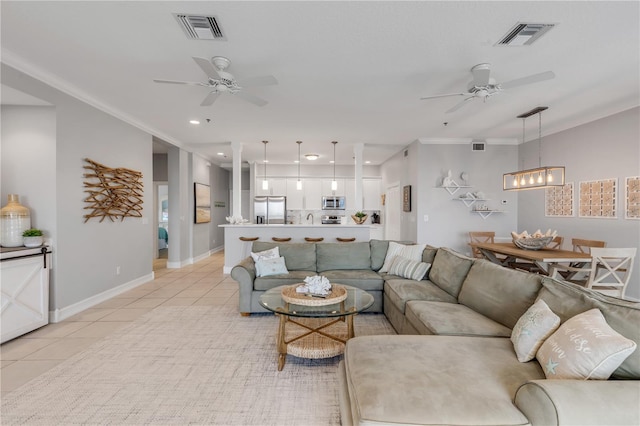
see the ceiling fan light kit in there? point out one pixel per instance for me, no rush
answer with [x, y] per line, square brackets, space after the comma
[540, 177]
[311, 157]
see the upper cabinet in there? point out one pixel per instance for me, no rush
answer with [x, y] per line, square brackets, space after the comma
[295, 197]
[371, 194]
[277, 186]
[312, 194]
[326, 187]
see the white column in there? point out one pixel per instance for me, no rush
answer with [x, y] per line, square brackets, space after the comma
[357, 151]
[236, 178]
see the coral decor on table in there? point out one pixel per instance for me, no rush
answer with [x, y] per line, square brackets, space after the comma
[535, 241]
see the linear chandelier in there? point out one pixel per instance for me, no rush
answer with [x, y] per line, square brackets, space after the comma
[540, 177]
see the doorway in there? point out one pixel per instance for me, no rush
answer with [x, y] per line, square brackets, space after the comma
[162, 219]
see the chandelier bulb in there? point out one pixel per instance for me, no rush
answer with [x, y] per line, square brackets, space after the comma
[515, 181]
[540, 180]
[523, 181]
[549, 177]
[531, 180]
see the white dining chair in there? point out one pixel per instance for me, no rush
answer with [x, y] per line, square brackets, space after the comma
[611, 270]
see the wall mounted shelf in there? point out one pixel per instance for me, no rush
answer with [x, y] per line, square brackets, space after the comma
[469, 201]
[486, 213]
[452, 189]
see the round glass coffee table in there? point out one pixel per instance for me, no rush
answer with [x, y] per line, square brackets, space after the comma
[313, 327]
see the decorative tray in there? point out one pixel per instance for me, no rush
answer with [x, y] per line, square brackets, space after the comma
[337, 295]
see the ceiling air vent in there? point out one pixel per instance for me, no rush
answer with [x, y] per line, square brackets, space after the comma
[477, 146]
[524, 34]
[200, 27]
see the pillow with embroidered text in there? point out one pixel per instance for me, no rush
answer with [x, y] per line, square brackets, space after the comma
[532, 329]
[584, 347]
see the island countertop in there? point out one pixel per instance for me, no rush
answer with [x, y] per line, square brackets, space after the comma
[236, 249]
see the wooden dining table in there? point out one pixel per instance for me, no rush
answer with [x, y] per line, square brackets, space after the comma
[508, 253]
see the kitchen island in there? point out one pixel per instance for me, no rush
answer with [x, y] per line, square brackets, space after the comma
[236, 249]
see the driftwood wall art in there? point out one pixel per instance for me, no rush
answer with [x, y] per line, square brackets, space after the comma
[113, 193]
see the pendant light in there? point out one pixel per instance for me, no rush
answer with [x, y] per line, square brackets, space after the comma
[540, 177]
[334, 182]
[299, 183]
[265, 182]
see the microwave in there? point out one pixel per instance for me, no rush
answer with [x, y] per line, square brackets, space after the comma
[333, 202]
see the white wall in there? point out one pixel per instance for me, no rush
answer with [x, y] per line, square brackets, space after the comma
[603, 149]
[87, 254]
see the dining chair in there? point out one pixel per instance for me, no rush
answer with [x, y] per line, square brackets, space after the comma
[575, 272]
[480, 237]
[584, 246]
[611, 270]
[555, 244]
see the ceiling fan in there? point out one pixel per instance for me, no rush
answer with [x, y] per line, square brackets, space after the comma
[483, 86]
[221, 81]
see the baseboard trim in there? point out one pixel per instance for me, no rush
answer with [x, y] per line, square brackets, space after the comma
[69, 311]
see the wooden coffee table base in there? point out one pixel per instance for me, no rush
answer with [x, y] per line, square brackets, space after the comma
[312, 338]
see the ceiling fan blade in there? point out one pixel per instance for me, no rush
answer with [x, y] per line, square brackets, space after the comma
[534, 78]
[193, 83]
[265, 80]
[207, 67]
[442, 96]
[210, 99]
[481, 74]
[251, 98]
[459, 105]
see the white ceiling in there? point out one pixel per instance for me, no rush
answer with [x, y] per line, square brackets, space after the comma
[348, 71]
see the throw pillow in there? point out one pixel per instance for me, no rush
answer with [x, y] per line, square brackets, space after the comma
[407, 268]
[584, 347]
[532, 329]
[275, 266]
[267, 254]
[413, 252]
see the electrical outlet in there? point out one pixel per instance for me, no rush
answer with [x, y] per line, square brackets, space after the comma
[117, 270]
[426, 218]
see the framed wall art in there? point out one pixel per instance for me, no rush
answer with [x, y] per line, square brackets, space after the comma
[558, 201]
[632, 198]
[598, 199]
[406, 198]
[202, 195]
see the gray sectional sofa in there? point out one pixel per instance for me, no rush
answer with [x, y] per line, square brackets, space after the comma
[454, 362]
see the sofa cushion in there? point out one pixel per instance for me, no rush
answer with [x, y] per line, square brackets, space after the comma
[271, 281]
[364, 279]
[431, 380]
[449, 269]
[451, 319]
[567, 300]
[400, 291]
[499, 293]
[378, 253]
[332, 256]
[584, 347]
[297, 256]
[429, 254]
[532, 329]
[273, 266]
[267, 254]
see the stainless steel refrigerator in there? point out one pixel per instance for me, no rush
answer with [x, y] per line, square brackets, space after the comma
[270, 210]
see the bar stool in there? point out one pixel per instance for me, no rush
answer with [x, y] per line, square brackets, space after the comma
[281, 240]
[247, 247]
[313, 240]
[345, 240]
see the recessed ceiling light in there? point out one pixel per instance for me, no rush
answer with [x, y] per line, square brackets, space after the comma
[367, 162]
[221, 153]
[331, 161]
[194, 122]
[295, 161]
[312, 157]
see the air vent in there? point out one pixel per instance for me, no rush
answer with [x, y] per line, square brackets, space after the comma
[477, 146]
[524, 34]
[198, 27]
[406, 152]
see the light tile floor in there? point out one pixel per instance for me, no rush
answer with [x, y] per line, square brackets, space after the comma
[203, 283]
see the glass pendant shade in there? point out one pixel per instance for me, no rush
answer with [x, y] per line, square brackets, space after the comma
[299, 182]
[334, 183]
[299, 185]
[265, 182]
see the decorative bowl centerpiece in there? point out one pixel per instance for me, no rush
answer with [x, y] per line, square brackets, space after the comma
[359, 218]
[535, 241]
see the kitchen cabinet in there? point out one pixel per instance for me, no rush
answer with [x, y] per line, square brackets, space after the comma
[25, 290]
[326, 187]
[277, 186]
[350, 194]
[295, 197]
[371, 194]
[312, 189]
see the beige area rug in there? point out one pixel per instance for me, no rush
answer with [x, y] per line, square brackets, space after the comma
[186, 365]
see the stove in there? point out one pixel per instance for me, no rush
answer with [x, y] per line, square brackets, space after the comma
[331, 220]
